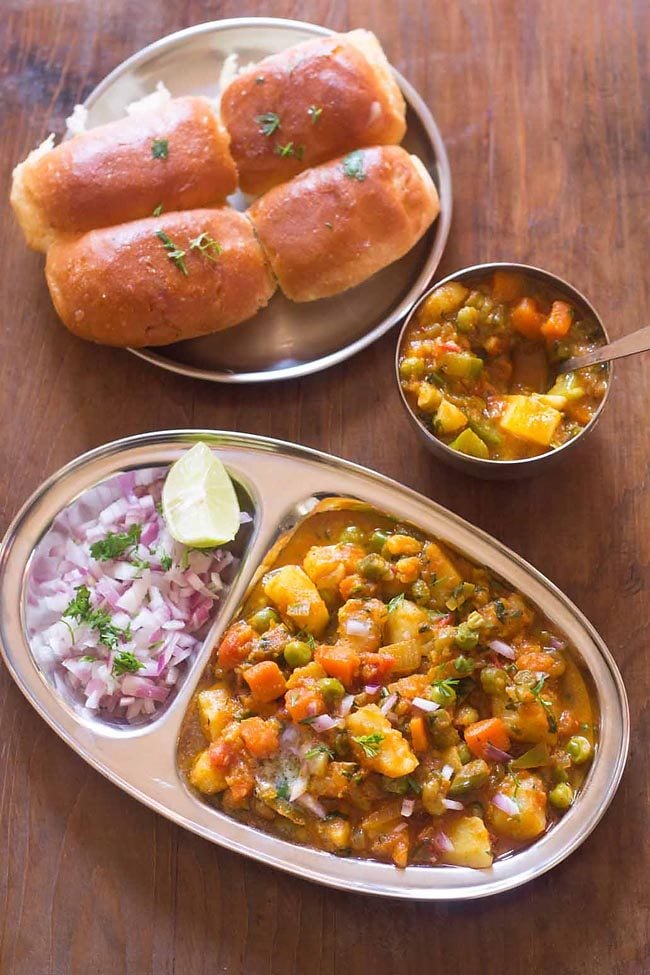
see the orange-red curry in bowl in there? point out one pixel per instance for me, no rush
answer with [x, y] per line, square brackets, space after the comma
[381, 696]
[477, 366]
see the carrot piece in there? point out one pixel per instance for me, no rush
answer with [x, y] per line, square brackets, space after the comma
[260, 737]
[221, 754]
[506, 286]
[558, 322]
[234, 646]
[265, 681]
[339, 661]
[304, 702]
[491, 731]
[526, 318]
[419, 737]
[376, 668]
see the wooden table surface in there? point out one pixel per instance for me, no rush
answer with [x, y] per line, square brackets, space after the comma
[544, 109]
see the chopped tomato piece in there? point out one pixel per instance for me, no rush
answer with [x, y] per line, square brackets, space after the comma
[234, 647]
[376, 668]
[491, 731]
[260, 737]
[304, 702]
[339, 661]
[240, 778]
[221, 754]
[265, 681]
[558, 323]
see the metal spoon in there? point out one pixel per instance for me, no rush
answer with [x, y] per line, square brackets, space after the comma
[638, 341]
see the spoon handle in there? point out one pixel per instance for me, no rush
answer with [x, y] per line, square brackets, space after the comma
[638, 341]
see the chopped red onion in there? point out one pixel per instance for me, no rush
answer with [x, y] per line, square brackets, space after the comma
[346, 705]
[505, 804]
[324, 722]
[358, 627]
[407, 807]
[503, 648]
[313, 805]
[371, 689]
[162, 611]
[452, 804]
[442, 842]
[494, 754]
[447, 771]
[424, 704]
[299, 786]
[388, 703]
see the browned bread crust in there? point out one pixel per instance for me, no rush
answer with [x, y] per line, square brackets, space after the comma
[109, 174]
[330, 95]
[122, 286]
[329, 229]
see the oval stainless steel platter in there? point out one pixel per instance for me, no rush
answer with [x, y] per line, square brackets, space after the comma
[283, 482]
[285, 340]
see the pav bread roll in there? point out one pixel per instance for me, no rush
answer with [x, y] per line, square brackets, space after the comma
[175, 156]
[337, 224]
[161, 279]
[308, 104]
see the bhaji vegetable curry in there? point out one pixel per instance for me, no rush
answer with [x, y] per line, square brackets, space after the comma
[476, 367]
[381, 696]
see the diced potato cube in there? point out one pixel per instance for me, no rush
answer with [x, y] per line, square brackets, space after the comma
[471, 843]
[429, 397]
[527, 791]
[449, 418]
[216, 710]
[386, 750]
[528, 419]
[205, 777]
[297, 598]
[444, 300]
[404, 623]
[471, 444]
[327, 565]
[406, 656]
[335, 833]
[442, 573]
[301, 675]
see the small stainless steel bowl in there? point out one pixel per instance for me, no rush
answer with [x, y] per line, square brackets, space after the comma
[501, 469]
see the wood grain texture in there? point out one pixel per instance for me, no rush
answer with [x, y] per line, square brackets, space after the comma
[544, 108]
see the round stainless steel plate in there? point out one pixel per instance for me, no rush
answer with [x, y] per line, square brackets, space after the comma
[285, 340]
[281, 480]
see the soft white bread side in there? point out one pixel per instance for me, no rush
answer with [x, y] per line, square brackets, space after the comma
[335, 225]
[308, 104]
[175, 156]
[161, 279]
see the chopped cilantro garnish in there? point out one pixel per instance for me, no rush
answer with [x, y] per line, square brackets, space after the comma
[268, 123]
[395, 602]
[158, 210]
[306, 637]
[353, 165]
[126, 663]
[80, 610]
[290, 150]
[369, 743]
[320, 749]
[160, 148]
[174, 252]
[536, 691]
[282, 790]
[207, 246]
[166, 562]
[115, 544]
[314, 113]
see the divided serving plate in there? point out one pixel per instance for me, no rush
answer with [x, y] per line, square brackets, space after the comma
[284, 340]
[281, 483]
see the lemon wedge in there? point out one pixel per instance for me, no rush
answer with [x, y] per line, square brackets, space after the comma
[199, 501]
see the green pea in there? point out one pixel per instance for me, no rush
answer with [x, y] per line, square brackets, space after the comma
[442, 693]
[412, 368]
[420, 592]
[463, 665]
[377, 540]
[579, 749]
[373, 567]
[331, 688]
[493, 680]
[263, 619]
[297, 653]
[561, 795]
[465, 637]
[352, 535]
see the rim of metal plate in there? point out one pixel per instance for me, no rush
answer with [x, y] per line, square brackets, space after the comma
[440, 230]
[281, 480]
